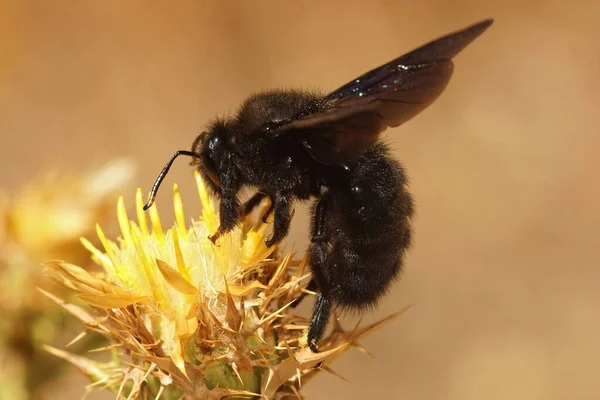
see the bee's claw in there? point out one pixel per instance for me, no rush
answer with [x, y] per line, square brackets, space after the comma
[269, 241]
[313, 347]
[213, 238]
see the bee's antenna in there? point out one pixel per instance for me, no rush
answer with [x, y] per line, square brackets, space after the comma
[164, 172]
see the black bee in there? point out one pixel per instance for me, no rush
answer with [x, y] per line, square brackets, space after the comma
[297, 145]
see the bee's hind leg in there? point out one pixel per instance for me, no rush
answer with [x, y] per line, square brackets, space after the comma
[318, 257]
[319, 321]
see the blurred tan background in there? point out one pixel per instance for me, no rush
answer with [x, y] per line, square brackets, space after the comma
[504, 167]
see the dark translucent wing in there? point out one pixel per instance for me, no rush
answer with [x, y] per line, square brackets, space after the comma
[444, 48]
[344, 138]
[402, 94]
[386, 96]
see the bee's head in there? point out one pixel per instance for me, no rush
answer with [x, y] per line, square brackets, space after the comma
[211, 147]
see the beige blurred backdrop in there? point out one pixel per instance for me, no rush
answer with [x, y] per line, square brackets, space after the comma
[504, 167]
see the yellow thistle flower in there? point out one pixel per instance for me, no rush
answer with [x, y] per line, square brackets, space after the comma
[199, 320]
[50, 214]
[44, 219]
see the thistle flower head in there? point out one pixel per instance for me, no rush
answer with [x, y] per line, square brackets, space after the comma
[200, 320]
[44, 219]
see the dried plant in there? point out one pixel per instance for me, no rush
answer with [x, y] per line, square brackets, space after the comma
[189, 319]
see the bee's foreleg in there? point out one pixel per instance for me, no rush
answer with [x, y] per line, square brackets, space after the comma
[230, 208]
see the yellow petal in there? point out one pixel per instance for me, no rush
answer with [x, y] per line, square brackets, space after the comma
[150, 273]
[181, 266]
[208, 211]
[141, 215]
[79, 275]
[177, 358]
[156, 225]
[175, 279]
[244, 290]
[123, 220]
[101, 257]
[110, 300]
[179, 216]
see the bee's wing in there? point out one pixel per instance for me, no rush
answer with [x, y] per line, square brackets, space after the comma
[384, 97]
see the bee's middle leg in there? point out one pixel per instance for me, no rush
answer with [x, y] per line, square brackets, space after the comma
[282, 210]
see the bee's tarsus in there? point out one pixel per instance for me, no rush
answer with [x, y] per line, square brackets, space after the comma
[213, 238]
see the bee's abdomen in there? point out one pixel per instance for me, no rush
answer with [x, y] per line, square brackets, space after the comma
[373, 215]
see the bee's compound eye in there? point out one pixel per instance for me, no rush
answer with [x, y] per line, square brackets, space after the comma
[199, 142]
